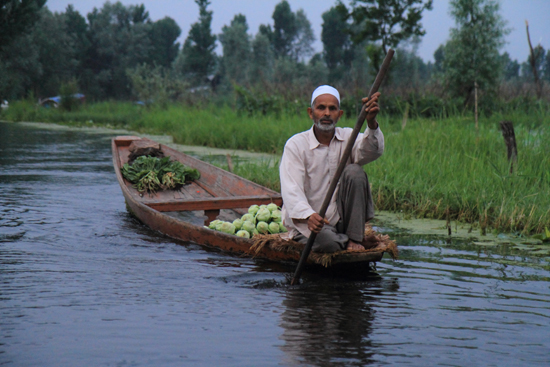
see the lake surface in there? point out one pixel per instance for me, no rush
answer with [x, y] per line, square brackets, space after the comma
[82, 283]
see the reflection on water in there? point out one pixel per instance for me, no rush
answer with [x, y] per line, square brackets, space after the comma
[84, 283]
[331, 323]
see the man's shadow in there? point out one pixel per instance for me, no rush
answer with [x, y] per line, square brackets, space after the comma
[329, 322]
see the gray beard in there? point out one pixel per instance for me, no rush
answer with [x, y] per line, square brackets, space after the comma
[325, 127]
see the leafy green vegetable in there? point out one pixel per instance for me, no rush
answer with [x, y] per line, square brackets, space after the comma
[238, 223]
[272, 207]
[151, 173]
[213, 224]
[273, 227]
[260, 219]
[228, 228]
[263, 215]
[248, 226]
[253, 209]
[243, 233]
[248, 218]
[276, 216]
[262, 227]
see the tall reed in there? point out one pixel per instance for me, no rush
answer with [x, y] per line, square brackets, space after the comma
[447, 170]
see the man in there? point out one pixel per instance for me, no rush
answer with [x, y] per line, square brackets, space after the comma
[307, 167]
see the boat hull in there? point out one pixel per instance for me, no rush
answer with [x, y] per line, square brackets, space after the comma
[152, 210]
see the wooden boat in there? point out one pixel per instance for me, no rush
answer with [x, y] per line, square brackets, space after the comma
[184, 213]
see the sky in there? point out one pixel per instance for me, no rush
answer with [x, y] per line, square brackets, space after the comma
[436, 22]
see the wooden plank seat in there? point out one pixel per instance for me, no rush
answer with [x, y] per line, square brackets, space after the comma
[216, 189]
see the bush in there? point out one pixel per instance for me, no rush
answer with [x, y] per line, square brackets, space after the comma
[69, 100]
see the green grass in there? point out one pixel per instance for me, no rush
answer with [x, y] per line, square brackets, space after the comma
[445, 170]
[436, 168]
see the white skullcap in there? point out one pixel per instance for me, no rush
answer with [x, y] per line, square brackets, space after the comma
[325, 89]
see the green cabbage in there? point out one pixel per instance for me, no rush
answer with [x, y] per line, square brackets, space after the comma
[228, 228]
[262, 227]
[276, 215]
[282, 228]
[263, 215]
[253, 209]
[248, 217]
[243, 233]
[213, 224]
[273, 227]
[248, 226]
[272, 207]
[238, 223]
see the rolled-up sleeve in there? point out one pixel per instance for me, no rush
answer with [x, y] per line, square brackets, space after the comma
[292, 174]
[368, 147]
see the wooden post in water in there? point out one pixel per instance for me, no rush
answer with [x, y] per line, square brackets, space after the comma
[229, 163]
[509, 136]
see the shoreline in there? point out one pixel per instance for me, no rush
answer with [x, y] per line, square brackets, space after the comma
[420, 226]
[163, 139]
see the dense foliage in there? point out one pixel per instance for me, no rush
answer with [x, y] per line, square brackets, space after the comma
[471, 57]
[117, 52]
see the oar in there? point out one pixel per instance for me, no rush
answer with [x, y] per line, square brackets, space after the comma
[347, 152]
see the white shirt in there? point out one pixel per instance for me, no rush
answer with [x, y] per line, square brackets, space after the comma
[307, 168]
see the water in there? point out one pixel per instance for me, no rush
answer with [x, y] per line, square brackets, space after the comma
[83, 283]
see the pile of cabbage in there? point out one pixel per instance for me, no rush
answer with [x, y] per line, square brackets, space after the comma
[260, 219]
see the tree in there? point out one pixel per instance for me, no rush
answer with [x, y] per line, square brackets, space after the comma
[337, 45]
[262, 57]
[292, 36]
[19, 67]
[77, 28]
[546, 67]
[536, 58]
[56, 54]
[119, 39]
[302, 43]
[387, 23]
[510, 67]
[285, 29]
[163, 35]
[198, 57]
[156, 85]
[17, 17]
[410, 72]
[439, 56]
[236, 49]
[472, 53]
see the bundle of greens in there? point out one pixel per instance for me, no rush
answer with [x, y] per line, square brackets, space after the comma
[151, 173]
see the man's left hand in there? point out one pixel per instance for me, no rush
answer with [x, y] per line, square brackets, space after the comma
[372, 109]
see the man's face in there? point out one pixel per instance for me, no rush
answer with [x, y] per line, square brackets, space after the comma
[325, 113]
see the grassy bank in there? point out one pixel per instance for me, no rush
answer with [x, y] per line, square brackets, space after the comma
[441, 169]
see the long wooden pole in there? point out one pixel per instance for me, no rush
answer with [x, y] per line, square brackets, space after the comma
[343, 160]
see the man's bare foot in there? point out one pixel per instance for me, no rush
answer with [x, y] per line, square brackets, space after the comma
[370, 242]
[354, 246]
